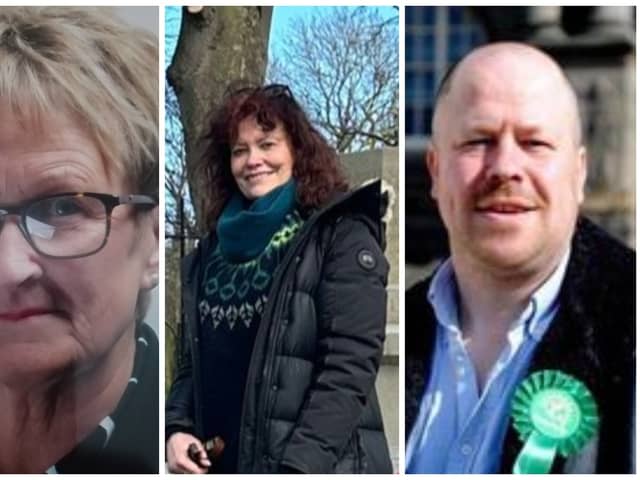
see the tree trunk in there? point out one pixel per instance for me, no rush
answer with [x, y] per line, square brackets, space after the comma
[216, 46]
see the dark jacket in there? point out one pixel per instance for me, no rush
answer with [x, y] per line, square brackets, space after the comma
[310, 403]
[592, 338]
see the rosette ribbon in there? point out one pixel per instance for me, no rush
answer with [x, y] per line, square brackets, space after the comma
[553, 413]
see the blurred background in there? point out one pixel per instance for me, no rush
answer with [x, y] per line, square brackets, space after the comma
[145, 18]
[595, 45]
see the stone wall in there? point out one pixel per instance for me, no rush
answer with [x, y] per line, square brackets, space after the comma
[362, 167]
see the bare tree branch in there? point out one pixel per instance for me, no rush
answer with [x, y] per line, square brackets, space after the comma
[343, 66]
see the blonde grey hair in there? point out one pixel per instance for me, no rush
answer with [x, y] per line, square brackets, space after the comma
[85, 62]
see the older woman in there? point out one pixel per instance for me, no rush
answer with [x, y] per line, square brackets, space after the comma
[78, 242]
[284, 305]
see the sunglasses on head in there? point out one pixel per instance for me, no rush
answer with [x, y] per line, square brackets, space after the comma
[273, 90]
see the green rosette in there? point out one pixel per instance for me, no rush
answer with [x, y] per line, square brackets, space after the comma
[553, 413]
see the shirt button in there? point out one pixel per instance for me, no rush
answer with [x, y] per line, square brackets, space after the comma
[466, 449]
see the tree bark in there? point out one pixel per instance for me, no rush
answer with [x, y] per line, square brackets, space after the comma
[216, 46]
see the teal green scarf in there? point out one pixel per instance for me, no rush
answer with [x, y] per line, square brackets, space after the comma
[244, 231]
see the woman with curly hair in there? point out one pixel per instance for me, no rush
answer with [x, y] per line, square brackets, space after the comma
[284, 304]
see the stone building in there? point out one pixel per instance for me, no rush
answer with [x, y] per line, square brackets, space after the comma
[596, 47]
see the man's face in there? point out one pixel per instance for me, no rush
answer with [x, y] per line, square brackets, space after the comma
[507, 172]
[60, 315]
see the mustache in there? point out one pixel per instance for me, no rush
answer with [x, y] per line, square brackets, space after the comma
[496, 190]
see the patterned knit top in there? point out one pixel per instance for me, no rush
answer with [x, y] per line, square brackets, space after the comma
[231, 302]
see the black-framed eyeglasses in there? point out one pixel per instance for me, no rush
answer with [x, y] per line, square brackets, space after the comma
[70, 224]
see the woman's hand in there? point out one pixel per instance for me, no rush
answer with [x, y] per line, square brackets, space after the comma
[178, 454]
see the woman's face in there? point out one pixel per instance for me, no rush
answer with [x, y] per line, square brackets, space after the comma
[60, 315]
[260, 160]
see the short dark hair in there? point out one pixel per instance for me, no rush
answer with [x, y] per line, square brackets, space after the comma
[316, 167]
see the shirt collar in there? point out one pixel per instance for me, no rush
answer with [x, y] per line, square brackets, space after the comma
[90, 448]
[443, 296]
[545, 299]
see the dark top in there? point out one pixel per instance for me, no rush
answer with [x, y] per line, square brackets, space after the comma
[127, 440]
[231, 301]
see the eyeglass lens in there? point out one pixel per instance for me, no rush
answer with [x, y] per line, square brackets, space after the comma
[65, 226]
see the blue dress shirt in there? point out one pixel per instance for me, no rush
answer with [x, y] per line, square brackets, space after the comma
[460, 429]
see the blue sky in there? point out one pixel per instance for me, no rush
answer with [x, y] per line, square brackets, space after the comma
[282, 17]
[172, 17]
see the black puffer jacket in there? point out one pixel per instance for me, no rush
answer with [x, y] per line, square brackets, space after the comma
[310, 403]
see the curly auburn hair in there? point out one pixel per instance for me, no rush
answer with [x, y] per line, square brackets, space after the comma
[316, 167]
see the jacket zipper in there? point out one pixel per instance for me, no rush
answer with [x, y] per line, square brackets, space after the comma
[263, 329]
[263, 430]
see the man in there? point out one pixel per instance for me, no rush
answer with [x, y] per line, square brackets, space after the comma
[530, 285]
